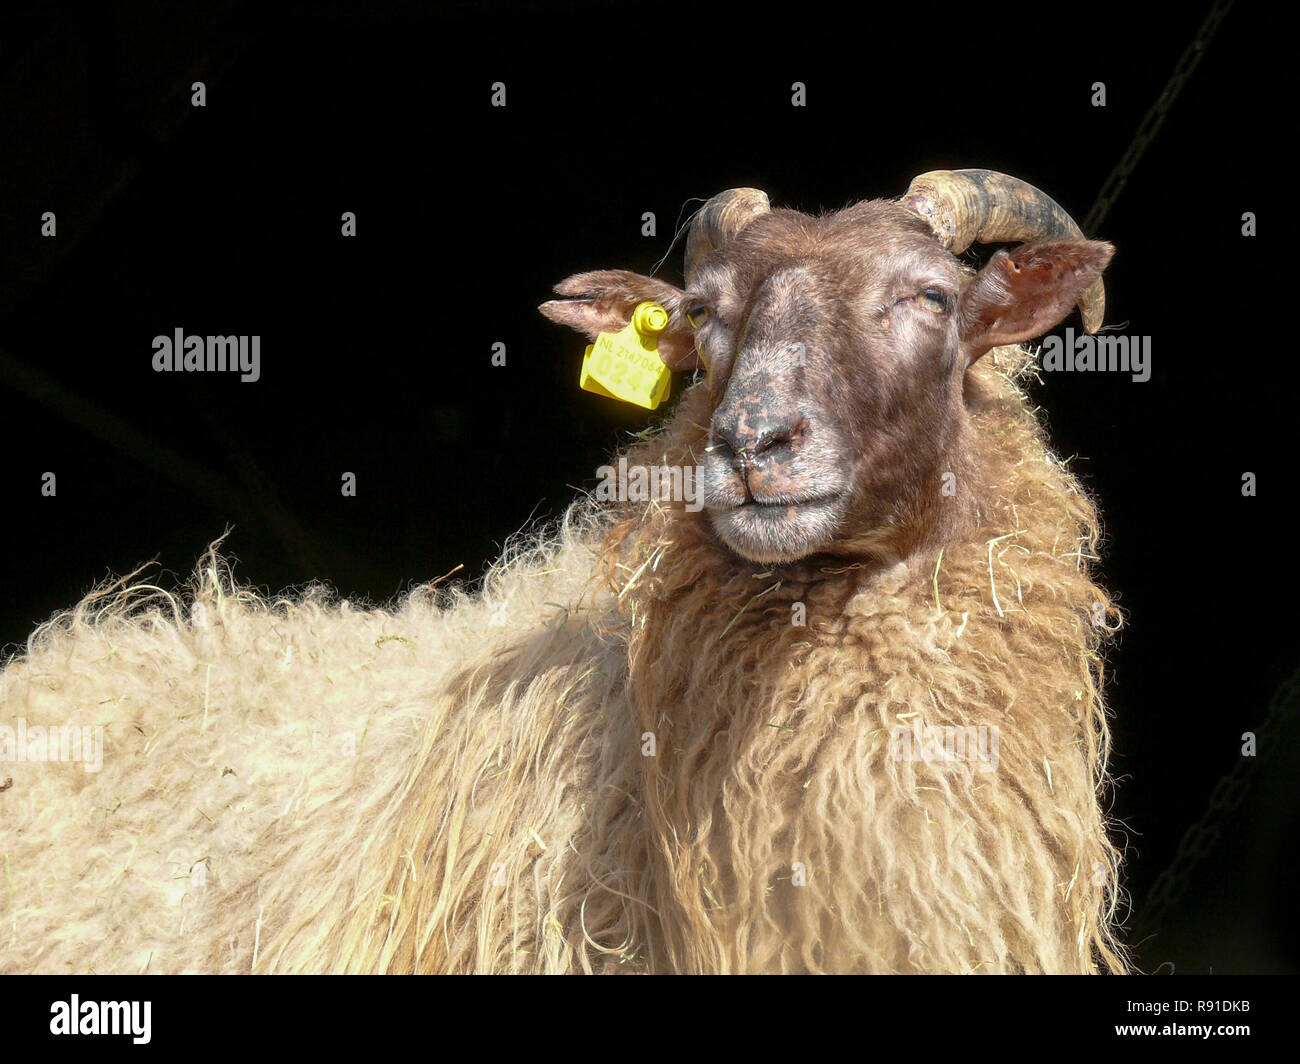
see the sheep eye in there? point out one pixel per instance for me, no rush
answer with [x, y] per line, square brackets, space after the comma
[934, 300]
[697, 315]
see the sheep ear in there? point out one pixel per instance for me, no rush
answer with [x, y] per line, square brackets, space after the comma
[603, 301]
[1022, 293]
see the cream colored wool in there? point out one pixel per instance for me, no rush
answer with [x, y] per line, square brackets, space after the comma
[462, 783]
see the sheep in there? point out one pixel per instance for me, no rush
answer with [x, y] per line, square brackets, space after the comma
[659, 738]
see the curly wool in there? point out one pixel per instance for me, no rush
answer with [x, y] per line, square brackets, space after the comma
[619, 755]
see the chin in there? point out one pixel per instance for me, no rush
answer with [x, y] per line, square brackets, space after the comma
[775, 533]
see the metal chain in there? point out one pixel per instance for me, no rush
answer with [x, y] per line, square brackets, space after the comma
[1232, 789]
[1146, 130]
[1227, 796]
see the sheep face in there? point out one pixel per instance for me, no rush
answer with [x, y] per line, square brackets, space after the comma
[835, 349]
[831, 349]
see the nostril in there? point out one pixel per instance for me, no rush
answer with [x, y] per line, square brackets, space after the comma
[723, 443]
[744, 446]
[770, 439]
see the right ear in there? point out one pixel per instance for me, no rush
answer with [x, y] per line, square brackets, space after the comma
[603, 301]
[1023, 292]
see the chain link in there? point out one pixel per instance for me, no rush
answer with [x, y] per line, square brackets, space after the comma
[1227, 796]
[1147, 128]
[1231, 790]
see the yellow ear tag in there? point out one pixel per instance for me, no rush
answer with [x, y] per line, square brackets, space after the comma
[626, 364]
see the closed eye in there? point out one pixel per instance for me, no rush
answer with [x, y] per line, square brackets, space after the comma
[935, 300]
[931, 299]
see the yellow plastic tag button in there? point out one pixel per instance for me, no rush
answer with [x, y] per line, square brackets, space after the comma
[626, 364]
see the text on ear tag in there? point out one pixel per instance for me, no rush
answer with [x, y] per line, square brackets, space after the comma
[626, 364]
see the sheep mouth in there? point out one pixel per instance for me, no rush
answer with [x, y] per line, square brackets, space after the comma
[785, 531]
[774, 509]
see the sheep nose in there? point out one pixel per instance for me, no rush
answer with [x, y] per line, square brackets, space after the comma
[747, 440]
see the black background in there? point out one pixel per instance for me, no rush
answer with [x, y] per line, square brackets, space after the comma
[376, 350]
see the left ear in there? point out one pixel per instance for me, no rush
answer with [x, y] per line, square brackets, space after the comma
[1022, 293]
[603, 301]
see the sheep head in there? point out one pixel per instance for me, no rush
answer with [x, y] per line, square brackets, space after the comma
[836, 349]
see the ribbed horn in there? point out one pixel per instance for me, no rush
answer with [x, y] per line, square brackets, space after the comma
[719, 220]
[965, 207]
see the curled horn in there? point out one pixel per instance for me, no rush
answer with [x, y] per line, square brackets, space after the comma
[719, 220]
[964, 207]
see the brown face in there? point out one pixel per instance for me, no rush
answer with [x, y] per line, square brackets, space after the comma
[832, 349]
[836, 349]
